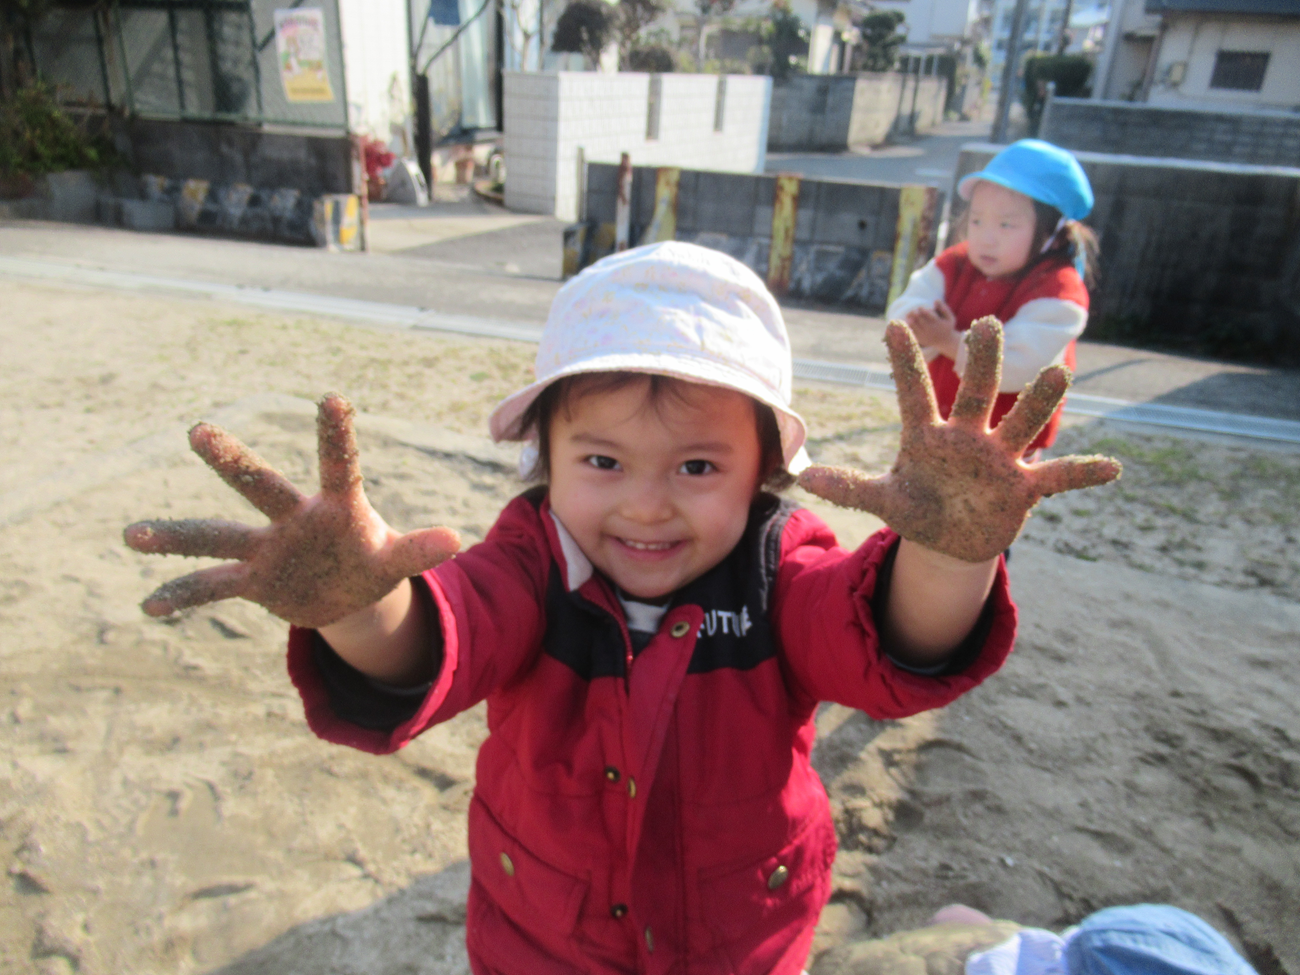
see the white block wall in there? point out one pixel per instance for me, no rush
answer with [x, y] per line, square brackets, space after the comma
[549, 116]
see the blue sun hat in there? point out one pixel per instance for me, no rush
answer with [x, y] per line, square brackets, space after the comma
[1149, 939]
[1142, 939]
[1042, 172]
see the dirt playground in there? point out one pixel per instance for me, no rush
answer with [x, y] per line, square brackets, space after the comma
[163, 808]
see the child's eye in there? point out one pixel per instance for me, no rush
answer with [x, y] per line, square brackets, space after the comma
[601, 462]
[697, 467]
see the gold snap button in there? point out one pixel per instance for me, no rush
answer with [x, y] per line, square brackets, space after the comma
[649, 941]
[680, 629]
[611, 773]
[618, 911]
[507, 865]
[631, 787]
[779, 876]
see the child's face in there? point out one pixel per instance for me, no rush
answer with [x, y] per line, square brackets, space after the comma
[655, 494]
[1000, 229]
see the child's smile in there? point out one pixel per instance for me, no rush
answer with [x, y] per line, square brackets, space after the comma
[655, 494]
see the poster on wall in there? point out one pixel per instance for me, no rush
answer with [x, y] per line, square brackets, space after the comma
[300, 45]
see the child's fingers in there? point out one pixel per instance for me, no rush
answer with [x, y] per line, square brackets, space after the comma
[979, 386]
[417, 551]
[1072, 473]
[1033, 409]
[197, 588]
[340, 467]
[209, 537]
[848, 488]
[915, 393]
[265, 488]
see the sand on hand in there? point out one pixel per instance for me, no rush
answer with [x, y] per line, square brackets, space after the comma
[164, 808]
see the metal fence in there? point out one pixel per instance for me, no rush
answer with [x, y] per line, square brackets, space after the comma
[197, 60]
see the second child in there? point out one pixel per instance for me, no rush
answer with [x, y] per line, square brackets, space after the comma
[1026, 260]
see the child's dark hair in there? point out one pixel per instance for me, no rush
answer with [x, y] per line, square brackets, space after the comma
[1071, 241]
[536, 420]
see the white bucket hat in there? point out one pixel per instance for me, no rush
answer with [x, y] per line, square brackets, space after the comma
[672, 309]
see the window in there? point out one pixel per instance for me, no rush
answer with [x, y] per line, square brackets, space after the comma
[720, 105]
[1239, 70]
[652, 108]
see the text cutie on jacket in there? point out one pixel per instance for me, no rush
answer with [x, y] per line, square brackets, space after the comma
[653, 813]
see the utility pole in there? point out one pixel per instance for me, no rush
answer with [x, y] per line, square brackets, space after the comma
[1065, 37]
[1009, 68]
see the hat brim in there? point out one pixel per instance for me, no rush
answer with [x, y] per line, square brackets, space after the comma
[504, 423]
[967, 185]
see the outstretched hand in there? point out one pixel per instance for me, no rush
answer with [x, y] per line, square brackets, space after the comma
[958, 487]
[320, 559]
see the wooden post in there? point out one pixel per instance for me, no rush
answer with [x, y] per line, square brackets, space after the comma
[913, 236]
[780, 256]
[663, 226]
[623, 203]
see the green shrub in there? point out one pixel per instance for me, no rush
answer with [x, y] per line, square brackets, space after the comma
[1070, 72]
[38, 137]
[653, 58]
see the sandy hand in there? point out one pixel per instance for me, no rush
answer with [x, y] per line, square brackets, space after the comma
[957, 487]
[318, 560]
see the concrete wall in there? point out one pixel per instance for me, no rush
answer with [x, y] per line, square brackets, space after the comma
[228, 154]
[1137, 129]
[1192, 41]
[845, 233]
[550, 117]
[829, 113]
[1199, 256]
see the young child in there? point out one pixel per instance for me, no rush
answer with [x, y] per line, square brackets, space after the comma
[1025, 260]
[652, 631]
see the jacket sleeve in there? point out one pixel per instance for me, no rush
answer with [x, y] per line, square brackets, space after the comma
[1034, 338]
[830, 647]
[923, 289]
[489, 603]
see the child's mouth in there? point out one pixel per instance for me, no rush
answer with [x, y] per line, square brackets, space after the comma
[648, 548]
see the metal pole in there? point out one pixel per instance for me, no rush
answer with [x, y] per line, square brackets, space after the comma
[1009, 69]
[176, 59]
[1065, 38]
[256, 64]
[423, 129]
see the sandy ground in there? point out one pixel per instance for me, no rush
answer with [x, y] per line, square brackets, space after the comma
[164, 809]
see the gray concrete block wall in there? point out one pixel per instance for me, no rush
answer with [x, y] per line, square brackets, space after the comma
[1199, 256]
[1256, 138]
[830, 113]
[844, 231]
[222, 153]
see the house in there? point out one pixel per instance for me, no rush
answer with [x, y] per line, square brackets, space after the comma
[1122, 64]
[1044, 27]
[1224, 54]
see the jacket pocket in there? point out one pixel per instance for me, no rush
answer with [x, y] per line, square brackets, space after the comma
[539, 898]
[754, 909]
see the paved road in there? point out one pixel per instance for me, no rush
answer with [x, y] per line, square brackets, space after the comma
[511, 275]
[930, 159]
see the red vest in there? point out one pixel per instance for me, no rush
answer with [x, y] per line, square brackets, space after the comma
[971, 296]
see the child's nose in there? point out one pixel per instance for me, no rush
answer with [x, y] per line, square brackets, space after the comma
[647, 501]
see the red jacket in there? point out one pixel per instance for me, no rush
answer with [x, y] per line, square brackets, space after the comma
[1043, 309]
[655, 813]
